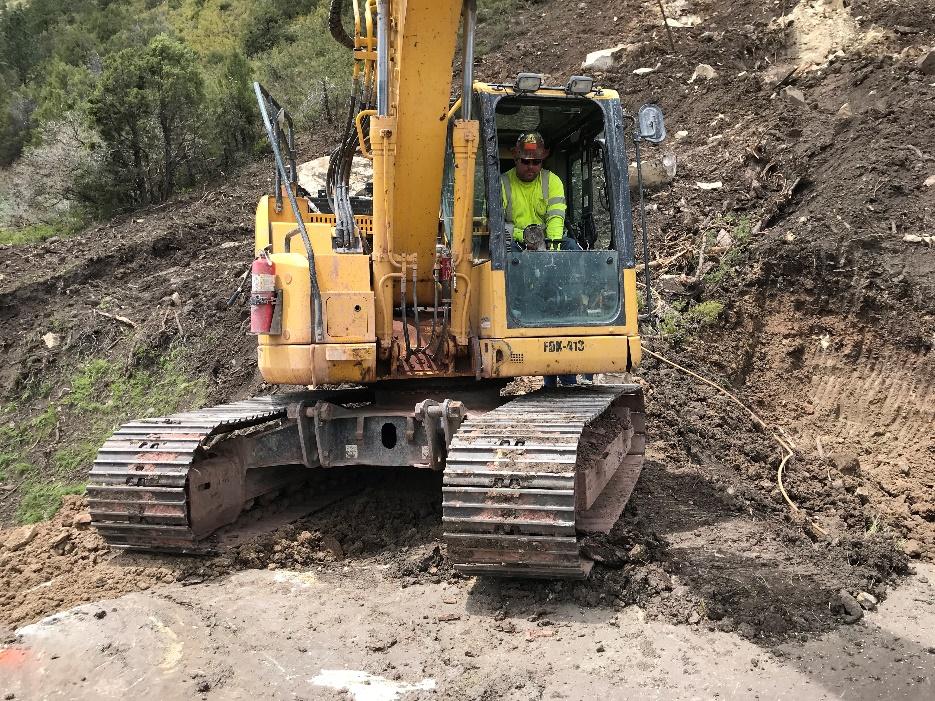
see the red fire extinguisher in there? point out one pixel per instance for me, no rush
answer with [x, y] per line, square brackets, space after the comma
[262, 294]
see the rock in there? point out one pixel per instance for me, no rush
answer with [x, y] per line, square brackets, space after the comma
[846, 463]
[304, 538]
[311, 175]
[853, 611]
[655, 172]
[52, 340]
[867, 601]
[60, 544]
[175, 299]
[682, 134]
[930, 181]
[604, 59]
[21, 537]
[724, 239]
[82, 520]
[704, 72]
[795, 96]
[845, 113]
[926, 63]
[100, 614]
[776, 75]
[639, 552]
[863, 493]
[678, 284]
[604, 554]
[203, 687]
[717, 185]
[381, 644]
[599, 648]
[912, 548]
[694, 618]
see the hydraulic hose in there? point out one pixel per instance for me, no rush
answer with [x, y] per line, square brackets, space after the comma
[337, 26]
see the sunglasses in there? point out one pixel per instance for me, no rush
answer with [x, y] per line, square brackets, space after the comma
[531, 161]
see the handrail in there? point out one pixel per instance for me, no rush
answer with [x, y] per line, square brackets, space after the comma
[358, 122]
[264, 99]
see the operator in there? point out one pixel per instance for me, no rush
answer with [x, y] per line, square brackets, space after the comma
[533, 198]
[534, 205]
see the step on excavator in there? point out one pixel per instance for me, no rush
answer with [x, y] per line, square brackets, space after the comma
[402, 316]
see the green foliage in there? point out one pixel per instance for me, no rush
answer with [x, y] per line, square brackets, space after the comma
[17, 440]
[300, 72]
[63, 227]
[233, 114]
[15, 119]
[167, 87]
[99, 397]
[103, 389]
[147, 107]
[42, 499]
[741, 231]
[705, 313]
[65, 89]
[678, 323]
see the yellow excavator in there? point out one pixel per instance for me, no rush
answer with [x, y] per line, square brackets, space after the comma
[405, 312]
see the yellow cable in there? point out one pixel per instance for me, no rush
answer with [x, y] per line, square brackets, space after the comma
[786, 446]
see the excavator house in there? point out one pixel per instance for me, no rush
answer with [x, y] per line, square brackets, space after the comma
[397, 320]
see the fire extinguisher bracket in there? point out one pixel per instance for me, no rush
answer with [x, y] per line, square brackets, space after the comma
[275, 327]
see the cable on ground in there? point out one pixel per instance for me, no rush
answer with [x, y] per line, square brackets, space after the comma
[785, 443]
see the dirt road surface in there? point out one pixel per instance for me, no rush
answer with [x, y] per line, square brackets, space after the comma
[354, 633]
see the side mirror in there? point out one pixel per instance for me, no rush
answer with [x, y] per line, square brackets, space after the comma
[651, 125]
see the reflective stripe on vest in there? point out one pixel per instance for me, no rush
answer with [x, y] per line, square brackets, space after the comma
[545, 177]
[507, 188]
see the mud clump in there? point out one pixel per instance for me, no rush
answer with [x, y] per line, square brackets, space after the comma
[59, 563]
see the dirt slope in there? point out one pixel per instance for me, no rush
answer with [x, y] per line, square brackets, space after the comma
[818, 125]
[826, 326]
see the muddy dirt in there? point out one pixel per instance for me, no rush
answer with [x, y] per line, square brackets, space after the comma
[822, 144]
[351, 633]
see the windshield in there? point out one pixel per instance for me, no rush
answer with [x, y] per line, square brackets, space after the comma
[575, 281]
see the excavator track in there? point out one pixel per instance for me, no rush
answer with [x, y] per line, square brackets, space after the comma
[524, 480]
[139, 489]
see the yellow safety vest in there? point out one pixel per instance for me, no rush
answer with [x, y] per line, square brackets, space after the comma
[541, 201]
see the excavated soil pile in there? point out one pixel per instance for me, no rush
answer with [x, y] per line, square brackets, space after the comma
[59, 563]
[799, 211]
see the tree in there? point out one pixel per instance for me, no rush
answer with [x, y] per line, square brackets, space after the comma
[234, 116]
[148, 108]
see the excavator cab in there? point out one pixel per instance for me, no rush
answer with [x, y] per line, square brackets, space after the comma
[573, 307]
[578, 283]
